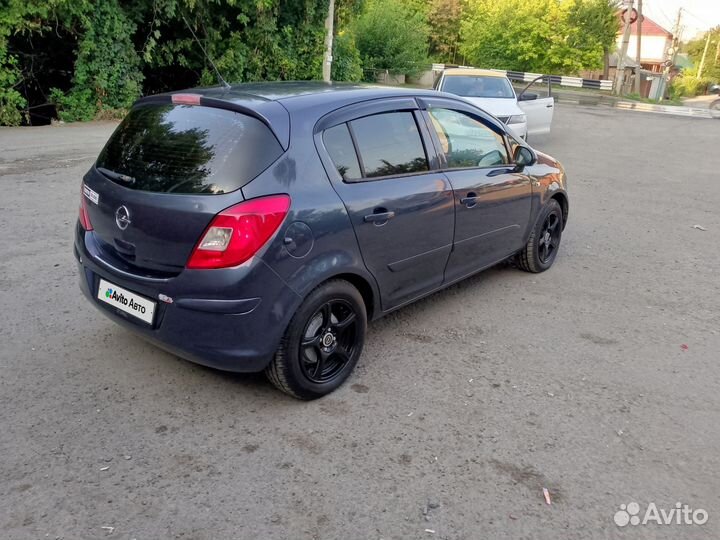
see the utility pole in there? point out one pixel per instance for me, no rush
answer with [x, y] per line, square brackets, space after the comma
[702, 60]
[671, 54]
[327, 57]
[620, 68]
[638, 47]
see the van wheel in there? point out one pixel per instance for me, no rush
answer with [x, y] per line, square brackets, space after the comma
[322, 343]
[541, 249]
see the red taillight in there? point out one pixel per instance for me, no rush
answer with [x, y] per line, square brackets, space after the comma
[186, 99]
[83, 213]
[236, 234]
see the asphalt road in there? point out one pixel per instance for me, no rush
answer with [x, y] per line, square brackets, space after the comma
[598, 379]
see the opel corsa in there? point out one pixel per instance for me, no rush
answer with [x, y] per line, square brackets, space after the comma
[260, 227]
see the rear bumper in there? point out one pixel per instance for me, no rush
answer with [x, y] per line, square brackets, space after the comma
[230, 319]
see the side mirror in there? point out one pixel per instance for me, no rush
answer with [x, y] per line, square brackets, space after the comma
[527, 96]
[524, 157]
[714, 89]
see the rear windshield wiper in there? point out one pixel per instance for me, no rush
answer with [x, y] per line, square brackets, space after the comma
[117, 176]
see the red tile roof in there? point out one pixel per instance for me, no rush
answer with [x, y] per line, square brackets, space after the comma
[649, 28]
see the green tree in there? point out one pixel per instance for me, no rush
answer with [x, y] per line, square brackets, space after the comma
[249, 40]
[695, 47]
[17, 17]
[125, 47]
[390, 35]
[546, 36]
[107, 70]
[593, 26]
[444, 18]
[347, 64]
[346, 11]
[11, 101]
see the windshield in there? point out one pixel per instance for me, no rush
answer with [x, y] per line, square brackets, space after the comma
[186, 149]
[478, 86]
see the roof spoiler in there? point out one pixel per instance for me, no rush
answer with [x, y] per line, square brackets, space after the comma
[188, 98]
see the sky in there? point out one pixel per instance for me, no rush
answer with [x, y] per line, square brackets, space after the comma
[697, 15]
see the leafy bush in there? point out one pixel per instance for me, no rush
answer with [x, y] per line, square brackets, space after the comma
[11, 101]
[144, 46]
[687, 85]
[74, 107]
[390, 35]
[107, 69]
[543, 36]
[347, 65]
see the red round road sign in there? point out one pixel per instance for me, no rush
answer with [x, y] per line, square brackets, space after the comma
[633, 16]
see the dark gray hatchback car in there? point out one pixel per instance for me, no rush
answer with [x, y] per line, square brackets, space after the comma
[260, 227]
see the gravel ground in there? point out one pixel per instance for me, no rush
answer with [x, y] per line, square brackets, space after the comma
[598, 379]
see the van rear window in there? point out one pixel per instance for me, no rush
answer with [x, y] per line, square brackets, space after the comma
[169, 148]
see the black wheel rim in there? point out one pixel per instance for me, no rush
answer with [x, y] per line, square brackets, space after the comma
[328, 341]
[549, 238]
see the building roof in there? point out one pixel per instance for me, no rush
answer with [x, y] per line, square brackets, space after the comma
[649, 28]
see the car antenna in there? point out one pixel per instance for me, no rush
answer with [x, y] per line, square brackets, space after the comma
[223, 82]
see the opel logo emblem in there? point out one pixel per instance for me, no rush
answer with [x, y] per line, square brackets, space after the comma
[122, 217]
[328, 340]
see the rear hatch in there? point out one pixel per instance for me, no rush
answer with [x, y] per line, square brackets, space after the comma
[166, 171]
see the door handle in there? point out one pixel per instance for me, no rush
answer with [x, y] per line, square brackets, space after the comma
[548, 106]
[379, 217]
[470, 200]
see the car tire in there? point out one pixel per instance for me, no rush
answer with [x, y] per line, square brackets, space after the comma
[541, 249]
[322, 343]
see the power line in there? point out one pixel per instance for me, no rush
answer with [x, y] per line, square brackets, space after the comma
[694, 16]
[668, 20]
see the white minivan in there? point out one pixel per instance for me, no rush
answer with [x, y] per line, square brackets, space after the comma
[528, 114]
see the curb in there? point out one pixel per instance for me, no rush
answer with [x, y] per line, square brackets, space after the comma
[693, 112]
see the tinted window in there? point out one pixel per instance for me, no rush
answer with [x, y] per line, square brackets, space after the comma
[478, 86]
[467, 142]
[188, 149]
[342, 151]
[389, 144]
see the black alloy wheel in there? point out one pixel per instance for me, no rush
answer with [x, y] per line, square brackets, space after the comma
[322, 343]
[542, 247]
[328, 342]
[549, 239]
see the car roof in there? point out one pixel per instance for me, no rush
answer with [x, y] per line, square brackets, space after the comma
[272, 102]
[472, 72]
[307, 94]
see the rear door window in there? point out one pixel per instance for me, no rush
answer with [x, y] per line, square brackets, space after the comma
[389, 144]
[170, 148]
[339, 145]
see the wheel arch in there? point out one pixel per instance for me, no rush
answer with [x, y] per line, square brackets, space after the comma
[364, 287]
[562, 200]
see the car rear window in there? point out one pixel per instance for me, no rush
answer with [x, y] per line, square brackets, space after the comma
[170, 148]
